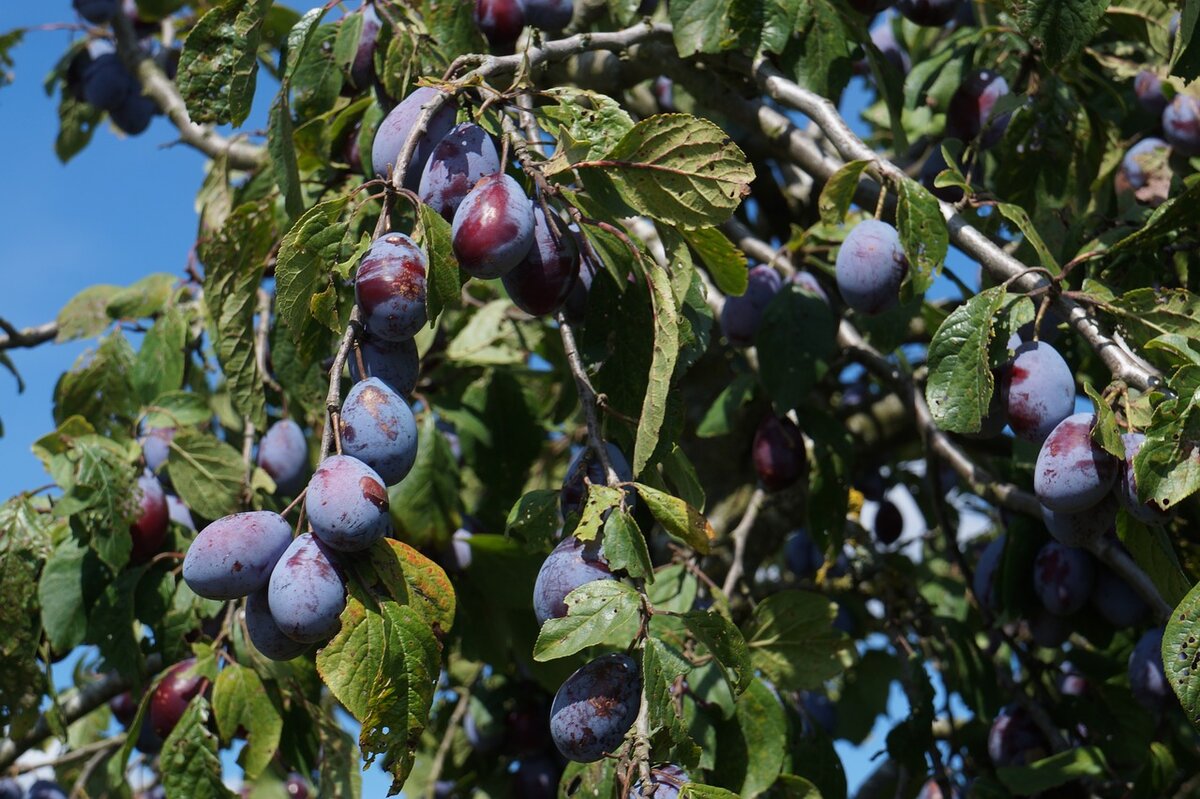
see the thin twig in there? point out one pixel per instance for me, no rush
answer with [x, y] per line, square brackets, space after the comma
[587, 399]
[439, 758]
[740, 535]
[28, 337]
[333, 400]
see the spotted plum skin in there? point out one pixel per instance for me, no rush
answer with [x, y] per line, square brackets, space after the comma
[378, 429]
[307, 593]
[550, 15]
[233, 557]
[1127, 492]
[970, 109]
[779, 454]
[986, 572]
[1083, 528]
[1147, 678]
[595, 707]
[870, 267]
[283, 454]
[1181, 124]
[928, 13]
[493, 228]
[362, 69]
[347, 504]
[667, 780]
[1039, 390]
[460, 160]
[742, 316]
[96, 12]
[1014, 739]
[396, 363]
[1148, 88]
[501, 22]
[1072, 472]
[540, 284]
[149, 529]
[171, 697]
[393, 132]
[572, 563]
[1063, 578]
[390, 287]
[265, 634]
[802, 555]
[586, 465]
[1116, 601]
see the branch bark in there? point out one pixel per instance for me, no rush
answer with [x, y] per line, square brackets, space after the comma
[28, 337]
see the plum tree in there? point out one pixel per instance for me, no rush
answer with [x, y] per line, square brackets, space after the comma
[1073, 473]
[362, 69]
[741, 316]
[870, 266]
[307, 593]
[541, 282]
[377, 428]
[149, 527]
[586, 468]
[778, 451]
[1116, 601]
[233, 557]
[929, 13]
[396, 363]
[1063, 578]
[666, 780]
[969, 114]
[390, 287]
[493, 227]
[394, 131]
[595, 707]
[176, 689]
[1039, 390]
[1084, 528]
[1181, 124]
[1147, 86]
[889, 523]
[1147, 678]
[347, 504]
[550, 15]
[96, 12]
[283, 454]
[501, 22]
[265, 634]
[1014, 739]
[987, 570]
[1127, 492]
[461, 159]
[571, 564]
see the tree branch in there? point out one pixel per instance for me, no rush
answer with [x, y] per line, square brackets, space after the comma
[740, 535]
[27, 338]
[333, 400]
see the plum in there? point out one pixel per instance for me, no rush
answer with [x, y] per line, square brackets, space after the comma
[595, 707]
[501, 22]
[802, 554]
[586, 468]
[819, 710]
[307, 593]
[571, 564]
[870, 266]
[378, 429]
[889, 523]
[809, 283]
[296, 787]
[666, 780]
[396, 363]
[884, 39]
[1073, 473]
[133, 116]
[969, 113]
[1116, 601]
[45, 789]
[541, 282]
[124, 708]
[870, 7]
[1039, 390]
[362, 70]
[390, 287]
[987, 570]
[174, 692]
[1146, 171]
[1014, 739]
[1147, 87]
[106, 82]
[11, 789]
[1063, 577]
[1147, 678]
[264, 632]
[96, 12]
[1083, 528]
[1181, 124]
[461, 159]
[928, 13]
[536, 778]
[156, 446]
[149, 528]
[1048, 629]
[550, 15]
[233, 557]
[575, 306]
[1146, 512]
[493, 227]
[347, 504]
[148, 741]
[741, 316]
[780, 457]
[394, 130]
[283, 454]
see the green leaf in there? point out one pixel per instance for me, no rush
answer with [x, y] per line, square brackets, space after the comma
[704, 26]
[1075, 764]
[1148, 313]
[424, 506]
[725, 262]
[146, 297]
[86, 314]
[1181, 653]
[793, 641]
[315, 78]
[240, 701]
[1060, 29]
[281, 146]
[726, 643]
[588, 123]
[60, 593]
[302, 269]
[177, 409]
[662, 366]
[1020, 217]
[534, 518]
[76, 123]
[795, 342]
[662, 667]
[1153, 551]
[443, 284]
[208, 474]
[818, 53]
[110, 625]
[25, 542]
[752, 744]
[675, 168]
[678, 518]
[189, 763]
[599, 612]
[430, 592]
[694, 790]
[488, 339]
[625, 547]
[340, 774]
[160, 361]
[601, 500]
[922, 232]
[219, 64]
[1107, 432]
[839, 191]
[722, 415]
[960, 380]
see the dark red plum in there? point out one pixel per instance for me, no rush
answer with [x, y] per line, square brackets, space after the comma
[396, 363]
[1083, 528]
[1014, 739]
[96, 12]
[173, 694]
[804, 558]
[501, 22]
[265, 634]
[394, 131]
[1147, 678]
[1148, 88]
[572, 563]
[378, 429]
[156, 446]
[889, 523]
[347, 504]
[780, 457]
[1127, 492]
[741, 316]
[1181, 124]
[1040, 391]
[971, 108]
[233, 557]
[987, 570]
[536, 778]
[1073, 473]
[134, 115]
[666, 779]
[45, 789]
[540, 284]
[1146, 171]
[929, 13]
[550, 15]
[1116, 601]
[106, 82]
[307, 593]
[283, 454]
[870, 267]
[296, 787]
[493, 227]
[1063, 578]
[595, 707]
[460, 160]
[362, 70]
[149, 529]
[586, 468]
[124, 708]
[390, 287]
[1049, 630]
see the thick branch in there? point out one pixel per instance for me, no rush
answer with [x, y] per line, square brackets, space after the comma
[29, 337]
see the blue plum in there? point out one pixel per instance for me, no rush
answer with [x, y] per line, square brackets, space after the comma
[362, 69]
[96, 12]
[396, 363]
[571, 564]
[550, 15]
[461, 159]
[1014, 739]
[134, 115]
[871, 266]
[595, 707]
[1048, 629]
[1147, 678]
[106, 82]
[541, 282]
[149, 527]
[969, 113]
[1116, 601]
[884, 39]
[493, 227]
[536, 777]
[889, 523]
[778, 451]
[987, 570]
[501, 22]
[809, 283]
[11, 789]
[390, 287]
[45, 789]
[378, 429]
[307, 593]
[575, 306]
[586, 468]
[1146, 171]
[156, 446]
[741, 316]
[1181, 124]
[1073, 473]
[929, 13]
[233, 557]
[283, 454]
[177, 688]
[1083, 528]
[802, 554]
[1146, 512]
[347, 504]
[1147, 87]
[394, 130]
[265, 634]
[1063, 577]
[1039, 390]
[818, 709]
[666, 779]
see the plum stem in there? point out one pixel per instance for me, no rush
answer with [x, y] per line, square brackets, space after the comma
[333, 400]
[587, 399]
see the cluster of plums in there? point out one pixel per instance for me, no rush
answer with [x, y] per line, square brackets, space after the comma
[1145, 169]
[501, 21]
[42, 789]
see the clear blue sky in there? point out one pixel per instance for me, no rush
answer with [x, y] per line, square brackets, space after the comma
[120, 210]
